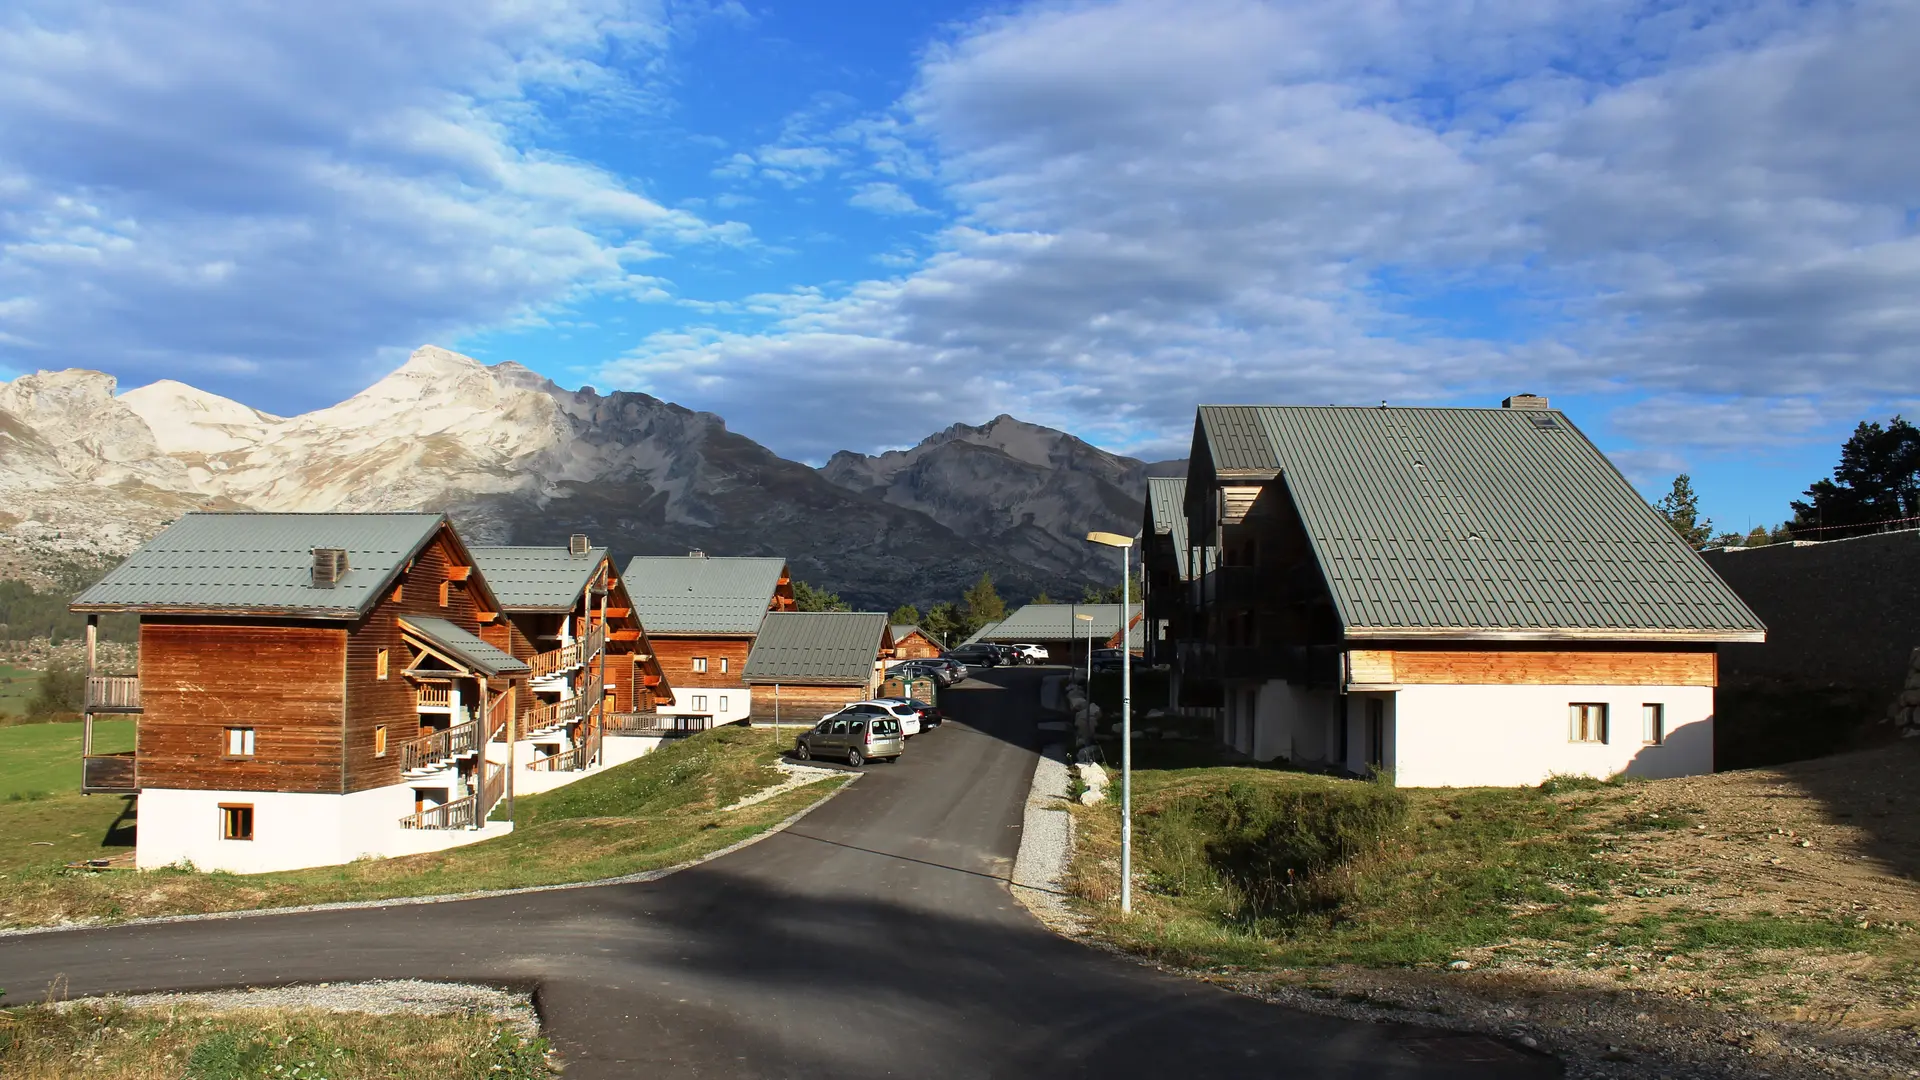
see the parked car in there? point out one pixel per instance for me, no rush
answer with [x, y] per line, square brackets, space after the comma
[1010, 655]
[929, 713]
[978, 655]
[858, 733]
[943, 674]
[1034, 653]
[953, 667]
[1107, 659]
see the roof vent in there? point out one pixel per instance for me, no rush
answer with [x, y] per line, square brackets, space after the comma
[577, 545]
[696, 553]
[329, 564]
[1525, 401]
[1543, 421]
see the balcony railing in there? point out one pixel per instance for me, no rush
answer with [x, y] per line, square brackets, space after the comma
[553, 714]
[568, 657]
[434, 750]
[108, 773]
[436, 696]
[464, 813]
[654, 724]
[113, 693]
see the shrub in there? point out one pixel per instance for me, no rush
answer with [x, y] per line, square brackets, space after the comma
[60, 694]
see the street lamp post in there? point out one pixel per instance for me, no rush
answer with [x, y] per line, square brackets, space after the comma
[1088, 619]
[1125, 544]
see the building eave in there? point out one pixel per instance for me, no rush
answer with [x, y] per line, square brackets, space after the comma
[1453, 633]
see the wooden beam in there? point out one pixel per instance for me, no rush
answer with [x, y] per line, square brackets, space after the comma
[459, 573]
[625, 635]
[485, 616]
[619, 612]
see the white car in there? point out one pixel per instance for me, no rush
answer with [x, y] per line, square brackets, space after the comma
[1034, 653]
[908, 716]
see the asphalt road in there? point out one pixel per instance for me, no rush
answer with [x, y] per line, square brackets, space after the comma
[875, 938]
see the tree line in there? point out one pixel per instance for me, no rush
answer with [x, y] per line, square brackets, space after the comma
[1876, 485]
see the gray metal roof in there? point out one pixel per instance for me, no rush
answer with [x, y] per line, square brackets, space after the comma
[1167, 512]
[464, 648]
[537, 578]
[1500, 521]
[262, 563]
[980, 634]
[1056, 622]
[902, 630]
[830, 647]
[698, 594]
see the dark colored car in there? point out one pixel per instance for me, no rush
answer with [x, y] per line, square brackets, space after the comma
[977, 655]
[930, 714]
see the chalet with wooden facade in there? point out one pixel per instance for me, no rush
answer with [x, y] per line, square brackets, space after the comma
[594, 679]
[1167, 568]
[912, 643]
[312, 688]
[1458, 596]
[805, 664]
[702, 614]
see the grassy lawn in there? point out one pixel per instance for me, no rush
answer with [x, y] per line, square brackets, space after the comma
[1264, 872]
[44, 759]
[16, 689]
[662, 809]
[112, 1042]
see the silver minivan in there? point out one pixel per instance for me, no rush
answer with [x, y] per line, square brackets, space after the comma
[855, 734]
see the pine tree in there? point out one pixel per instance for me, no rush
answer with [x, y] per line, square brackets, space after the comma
[1759, 537]
[1877, 482]
[808, 598]
[982, 604]
[905, 615]
[943, 621]
[1681, 508]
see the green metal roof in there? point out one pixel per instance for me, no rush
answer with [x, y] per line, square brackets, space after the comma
[537, 578]
[699, 594]
[1056, 622]
[460, 646]
[827, 647]
[258, 563]
[980, 634]
[902, 630]
[1167, 513]
[1443, 521]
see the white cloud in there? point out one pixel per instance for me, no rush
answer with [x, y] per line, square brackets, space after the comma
[885, 198]
[198, 187]
[1162, 202]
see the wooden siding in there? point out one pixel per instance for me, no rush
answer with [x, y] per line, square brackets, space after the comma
[372, 702]
[1236, 500]
[1534, 667]
[804, 704]
[282, 679]
[676, 661]
[915, 646]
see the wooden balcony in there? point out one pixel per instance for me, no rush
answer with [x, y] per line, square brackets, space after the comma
[574, 759]
[113, 694]
[108, 774]
[465, 813]
[568, 657]
[435, 695]
[653, 724]
[441, 747]
[552, 714]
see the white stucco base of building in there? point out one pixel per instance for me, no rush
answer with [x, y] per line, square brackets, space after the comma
[290, 831]
[614, 750]
[720, 706]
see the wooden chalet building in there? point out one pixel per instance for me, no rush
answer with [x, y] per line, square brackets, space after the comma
[805, 664]
[312, 688]
[702, 614]
[912, 643]
[1458, 596]
[1167, 568]
[594, 679]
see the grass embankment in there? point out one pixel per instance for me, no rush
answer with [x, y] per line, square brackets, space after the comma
[17, 686]
[106, 1041]
[662, 809]
[40, 760]
[1577, 884]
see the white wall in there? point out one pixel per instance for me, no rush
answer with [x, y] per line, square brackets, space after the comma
[1505, 736]
[1291, 722]
[739, 703]
[290, 831]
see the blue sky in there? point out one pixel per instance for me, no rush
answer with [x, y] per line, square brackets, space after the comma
[846, 225]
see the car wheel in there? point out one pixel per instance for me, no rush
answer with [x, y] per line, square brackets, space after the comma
[800, 751]
[854, 757]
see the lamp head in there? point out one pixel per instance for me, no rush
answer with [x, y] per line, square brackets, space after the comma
[1084, 618]
[1110, 539]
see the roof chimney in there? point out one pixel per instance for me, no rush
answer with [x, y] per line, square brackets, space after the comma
[577, 545]
[1524, 401]
[328, 566]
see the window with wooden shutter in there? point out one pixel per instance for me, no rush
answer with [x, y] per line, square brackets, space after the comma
[380, 661]
[380, 740]
[239, 742]
[236, 821]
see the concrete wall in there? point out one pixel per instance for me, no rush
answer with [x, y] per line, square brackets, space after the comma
[1504, 736]
[291, 831]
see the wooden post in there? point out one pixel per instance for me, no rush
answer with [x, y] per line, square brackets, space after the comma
[513, 736]
[86, 703]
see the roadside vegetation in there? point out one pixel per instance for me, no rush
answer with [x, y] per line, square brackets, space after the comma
[109, 1041]
[662, 809]
[1785, 893]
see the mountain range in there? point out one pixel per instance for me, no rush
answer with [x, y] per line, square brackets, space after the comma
[87, 473]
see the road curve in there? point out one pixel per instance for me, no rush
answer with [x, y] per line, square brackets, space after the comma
[875, 938]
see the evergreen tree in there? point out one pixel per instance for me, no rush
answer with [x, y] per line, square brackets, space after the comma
[1759, 537]
[1681, 508]
[905, 615]
[1043, 598]
[808, 598]
[1876, 482]
[943, 621]
[982, 604]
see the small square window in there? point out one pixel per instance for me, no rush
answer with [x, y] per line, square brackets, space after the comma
[723, 669]
[1653, 722]
[699, 703]
[1587, 722]
[236, 821]
[239, 742]
[380, 740]
[381, 660]
[699, 665]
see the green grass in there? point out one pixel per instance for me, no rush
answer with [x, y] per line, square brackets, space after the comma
[108, 1041]
[44, 759]
[16, 689]
[662, 809]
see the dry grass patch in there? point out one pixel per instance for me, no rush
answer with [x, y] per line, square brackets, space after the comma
[107, 1041]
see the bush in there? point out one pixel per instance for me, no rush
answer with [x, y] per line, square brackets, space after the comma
[1265, 850]
[61, 693]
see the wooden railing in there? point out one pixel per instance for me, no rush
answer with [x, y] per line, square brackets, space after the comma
[655, 724]
[499, 711]
[436, 696]
[465, 813]
[429, 751]
[113, 693]
[108, 772]
[550, 714]
[567, 657]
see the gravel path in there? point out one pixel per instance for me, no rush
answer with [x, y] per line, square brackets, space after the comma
[387, 997]
[1046, 844]
[797, 776]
